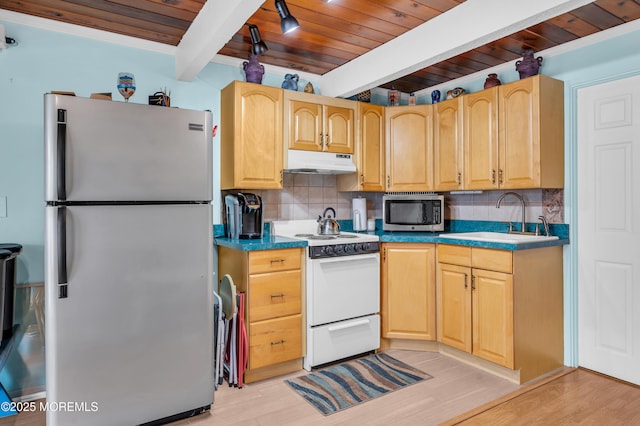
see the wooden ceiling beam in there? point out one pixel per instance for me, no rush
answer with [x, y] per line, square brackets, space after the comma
[401, 56]
[216, 23]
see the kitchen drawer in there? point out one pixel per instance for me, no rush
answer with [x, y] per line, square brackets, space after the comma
[274, 341]
[274, 295]
[343, 339]
[455, 255]
[274, 260]
[492, 260]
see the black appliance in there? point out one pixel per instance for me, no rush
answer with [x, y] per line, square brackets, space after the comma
[244, 216]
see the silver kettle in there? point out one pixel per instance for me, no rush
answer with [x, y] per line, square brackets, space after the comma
[327, 225]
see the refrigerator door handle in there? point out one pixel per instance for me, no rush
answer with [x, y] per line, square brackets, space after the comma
[61, 154]
[62, 252]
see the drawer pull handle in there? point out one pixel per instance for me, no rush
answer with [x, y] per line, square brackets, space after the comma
[350, 325]
[272, 261]
[274, 296]
[280, 342]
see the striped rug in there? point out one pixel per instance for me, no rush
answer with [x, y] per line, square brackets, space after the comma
[353, 382]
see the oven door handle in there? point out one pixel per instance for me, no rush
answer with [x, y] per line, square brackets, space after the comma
[349, 325]
[349, 258]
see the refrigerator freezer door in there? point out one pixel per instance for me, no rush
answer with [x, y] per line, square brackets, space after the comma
[98, 150]
[131, 341]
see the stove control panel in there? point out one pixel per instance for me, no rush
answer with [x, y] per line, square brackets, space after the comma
[336, 250]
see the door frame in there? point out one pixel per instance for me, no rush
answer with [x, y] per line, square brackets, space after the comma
[570, 251]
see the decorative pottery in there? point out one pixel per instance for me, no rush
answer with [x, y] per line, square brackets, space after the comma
[393, 97]
[492, 81]
[253, 70]
[454, 93]
[364, 96]
[529, 65]
[435, 96]
[290, 82]
[309, 88]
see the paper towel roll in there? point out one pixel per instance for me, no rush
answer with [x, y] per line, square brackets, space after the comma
[359, 214]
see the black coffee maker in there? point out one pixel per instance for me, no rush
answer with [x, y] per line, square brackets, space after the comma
[244, 216]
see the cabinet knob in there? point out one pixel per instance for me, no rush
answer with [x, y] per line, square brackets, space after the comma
[465, 281]
[276, 296]
[361, 178]
[493, 177]
[459, 178]
[500, 176]
[272, 261]
[280, 342]
[473, 282]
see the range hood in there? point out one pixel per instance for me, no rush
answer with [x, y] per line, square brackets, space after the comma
[315, 162]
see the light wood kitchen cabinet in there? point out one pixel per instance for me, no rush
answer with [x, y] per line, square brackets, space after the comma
[409, 144]
[251, 131]
[319, 123]
[448, 145]
[272, 281]
[503, 306]
[514, 135]
[480, 136]
[369, 152]
[408, 308]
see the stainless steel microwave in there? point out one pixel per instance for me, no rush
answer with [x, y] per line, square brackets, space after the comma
[413, 211]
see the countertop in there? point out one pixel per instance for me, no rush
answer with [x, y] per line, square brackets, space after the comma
[272, 242]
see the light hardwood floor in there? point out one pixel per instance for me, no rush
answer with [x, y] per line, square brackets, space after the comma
[457, 394]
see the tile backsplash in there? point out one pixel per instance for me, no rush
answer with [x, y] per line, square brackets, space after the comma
[306, 196]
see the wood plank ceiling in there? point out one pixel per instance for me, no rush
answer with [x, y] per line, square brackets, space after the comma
[332, 34]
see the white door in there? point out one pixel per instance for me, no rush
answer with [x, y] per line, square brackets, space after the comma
[609, 228]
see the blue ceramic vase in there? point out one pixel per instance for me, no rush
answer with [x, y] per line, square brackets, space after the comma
[290, 82]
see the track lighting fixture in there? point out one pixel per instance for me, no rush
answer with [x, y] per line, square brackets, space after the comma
[258, 46]
[287, 22]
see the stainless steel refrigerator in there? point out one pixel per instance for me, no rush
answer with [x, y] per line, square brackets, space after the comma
[128, 262]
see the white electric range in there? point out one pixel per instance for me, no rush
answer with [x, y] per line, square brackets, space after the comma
[342, 291]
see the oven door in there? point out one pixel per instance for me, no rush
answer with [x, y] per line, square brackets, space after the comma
[344, 287]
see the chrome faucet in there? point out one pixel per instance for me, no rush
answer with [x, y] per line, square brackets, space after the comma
[545, 225]
[519, 197]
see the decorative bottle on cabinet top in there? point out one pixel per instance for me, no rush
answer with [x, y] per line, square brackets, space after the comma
[492, 81]
[253, 69]
[529, 65]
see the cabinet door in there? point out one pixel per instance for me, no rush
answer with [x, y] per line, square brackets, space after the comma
[305, 131]
[454, 306]
[519, 149]
[339, 131]
[409, 157]
[251, 140]
[408, 291]
[481, 140]
[492, 306]
[447, 145]
[371, 155]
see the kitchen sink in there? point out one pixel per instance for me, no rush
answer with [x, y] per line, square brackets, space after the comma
[499, 237]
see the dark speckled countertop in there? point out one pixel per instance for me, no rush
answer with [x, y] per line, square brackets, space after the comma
[271, 242]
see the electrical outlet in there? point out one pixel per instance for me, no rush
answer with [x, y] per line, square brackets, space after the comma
[3, 206]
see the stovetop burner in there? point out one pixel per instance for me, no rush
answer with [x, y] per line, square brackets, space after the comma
[324, 237]
[316, 236]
